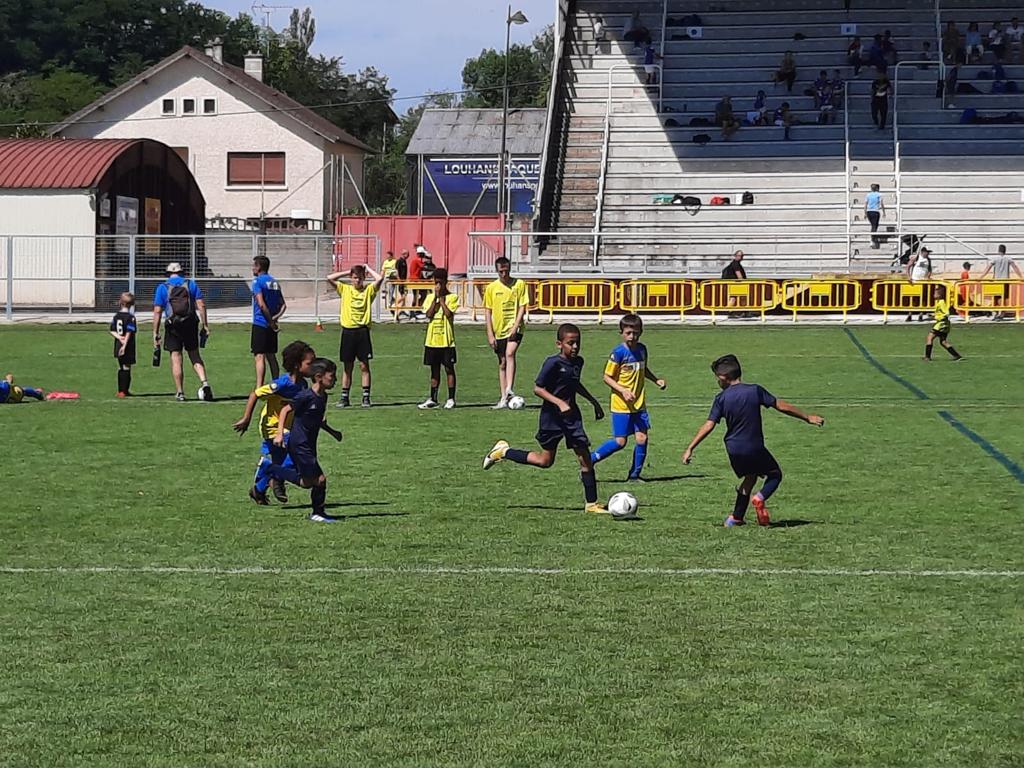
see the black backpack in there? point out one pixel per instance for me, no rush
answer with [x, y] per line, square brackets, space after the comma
[748, 198]
[690, 203]
[701, 139]
[182, 305]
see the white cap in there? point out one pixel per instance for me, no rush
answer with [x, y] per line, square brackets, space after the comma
[174, 268]
[420, 249]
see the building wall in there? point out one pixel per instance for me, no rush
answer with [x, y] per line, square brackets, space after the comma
[209, 139]
[51, 235]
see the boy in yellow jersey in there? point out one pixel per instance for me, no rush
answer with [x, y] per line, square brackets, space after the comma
[941, 327]
[390, 271]
[625, 373]
[439, 347]
[356, 306]
[11, 393]
[297, 357]
[505, 302]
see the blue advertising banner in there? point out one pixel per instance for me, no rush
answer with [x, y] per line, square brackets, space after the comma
[461, 180]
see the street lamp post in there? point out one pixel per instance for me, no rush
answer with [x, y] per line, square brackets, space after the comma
[504, 194]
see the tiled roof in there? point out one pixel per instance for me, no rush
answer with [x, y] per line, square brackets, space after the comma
[478, 132]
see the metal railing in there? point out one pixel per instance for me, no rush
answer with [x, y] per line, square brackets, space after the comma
[847, 166]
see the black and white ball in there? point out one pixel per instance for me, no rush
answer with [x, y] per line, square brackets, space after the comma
[623, 505]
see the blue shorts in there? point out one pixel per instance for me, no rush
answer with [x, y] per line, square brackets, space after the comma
[626, 424]
[760, 463]
[305, 461]
[276, 454]
[554, 427]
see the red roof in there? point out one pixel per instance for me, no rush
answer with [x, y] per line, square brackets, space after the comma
[58, 163]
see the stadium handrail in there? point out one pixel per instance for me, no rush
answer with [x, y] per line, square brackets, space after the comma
[561, 30]
[849, 196]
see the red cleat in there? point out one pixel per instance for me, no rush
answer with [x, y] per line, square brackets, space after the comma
[761, 510]
[122, 394]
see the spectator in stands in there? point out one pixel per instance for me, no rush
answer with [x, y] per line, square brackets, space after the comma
[759, 114]
[919, 268]
[635, 31]
[1000, 268]
[724, 117]
[972, 44]
[1015, 38]
[880, 90]
[925, 55]
[786, 73]
[838, 89]
[889, 49]
[599, 33]
[784, 118]
[822, 91]
[874, 209]
[876, 54]
[952, 51]
[855, 54]
[650, 68]
[996, 40]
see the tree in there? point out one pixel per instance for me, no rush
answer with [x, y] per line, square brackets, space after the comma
[529, 75]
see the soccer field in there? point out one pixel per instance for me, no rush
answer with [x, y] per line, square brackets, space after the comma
[153, 616]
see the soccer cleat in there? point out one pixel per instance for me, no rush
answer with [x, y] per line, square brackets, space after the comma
[449, 404]
[496, 454]
[260, 497]
[503, 403]
[731, 521]
[277, 487]
[596, 508]
[180, 397]
[635, 479]
[122, 394]
[427, 404]
[366, 402]
[762, 511]
[321, 517]
[343, 403]
[207, 393]
[959, 359]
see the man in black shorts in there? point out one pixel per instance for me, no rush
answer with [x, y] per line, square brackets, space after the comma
[268, 306]
[180, 303]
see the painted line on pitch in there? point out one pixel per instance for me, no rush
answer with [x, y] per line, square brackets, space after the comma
[917, 392]
[431, 571]
[1008, 464]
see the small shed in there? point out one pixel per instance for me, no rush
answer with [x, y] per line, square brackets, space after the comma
[70, 211]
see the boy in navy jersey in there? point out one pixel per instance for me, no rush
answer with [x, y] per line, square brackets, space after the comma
[308, 413]
[557, 385]
[740, 405]
[123, 329]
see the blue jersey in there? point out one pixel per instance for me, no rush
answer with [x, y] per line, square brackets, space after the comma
[161, 298]
[270, 289]
[740, 405]
[561, 377]
[5, 390]
[308, 412]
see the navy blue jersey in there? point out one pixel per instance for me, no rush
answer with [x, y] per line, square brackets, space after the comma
[122, 323]
[740, 405]
[561, 377]
[308, 412]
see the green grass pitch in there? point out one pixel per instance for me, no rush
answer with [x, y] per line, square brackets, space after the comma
[470, 618]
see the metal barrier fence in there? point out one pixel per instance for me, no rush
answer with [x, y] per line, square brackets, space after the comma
[905, 296]
[746, 296]
[989, 296]
[573, 296]
[677, 296]
[821, 296]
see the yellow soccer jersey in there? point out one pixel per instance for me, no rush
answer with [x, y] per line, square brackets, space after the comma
[942, 312]
[356, 305]
[389, 269]
[629, 368]
[440, 330]
[504, 302]
[274, 396]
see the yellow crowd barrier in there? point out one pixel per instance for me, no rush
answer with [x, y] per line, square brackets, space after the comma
[900, 295]
[658, 296]
[757, 296]
[824, 295]
[989, 296]
[577, 296]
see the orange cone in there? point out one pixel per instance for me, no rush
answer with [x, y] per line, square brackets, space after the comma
[319, 327]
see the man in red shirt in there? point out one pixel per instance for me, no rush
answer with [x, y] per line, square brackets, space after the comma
[416, 273]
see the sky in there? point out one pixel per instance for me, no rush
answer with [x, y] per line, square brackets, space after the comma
[421, 45]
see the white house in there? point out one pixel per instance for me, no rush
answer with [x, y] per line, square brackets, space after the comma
[252, 149]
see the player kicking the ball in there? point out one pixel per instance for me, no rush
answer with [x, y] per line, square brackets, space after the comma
[557, 385]
[740, 405]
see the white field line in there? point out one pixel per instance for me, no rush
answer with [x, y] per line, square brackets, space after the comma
[441, 571]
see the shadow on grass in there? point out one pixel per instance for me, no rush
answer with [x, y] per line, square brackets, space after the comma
[344, 504]
[667, 479]
[792, 523]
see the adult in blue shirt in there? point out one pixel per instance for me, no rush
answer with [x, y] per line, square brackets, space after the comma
[267, 307]
[179, 302]
[874, 209]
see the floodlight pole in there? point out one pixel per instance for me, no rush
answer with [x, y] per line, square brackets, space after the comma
[504, 194]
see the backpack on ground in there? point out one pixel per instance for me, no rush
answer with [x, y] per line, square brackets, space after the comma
[701, 139]
[969, 116]
[690, 203]
[748, 198]
[182, 305]
[719, 200]
[998, 87]
[1012, 87]
[697, 122]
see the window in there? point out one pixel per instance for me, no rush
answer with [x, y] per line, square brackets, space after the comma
[167, 107]
[188, 106]
[255, 168]
[209, 106]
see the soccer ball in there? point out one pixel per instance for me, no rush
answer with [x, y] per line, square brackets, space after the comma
[200, 394]
[516, 402]
[623, 504]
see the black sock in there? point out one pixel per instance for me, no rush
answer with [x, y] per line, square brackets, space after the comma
[124, 380]
[739, 509]
[344, 394]
[451, 392]
[589, 486]
[433, 393]
[518, 455]
[953, 352]
[318, 495]
[927, 351]
[366, 393]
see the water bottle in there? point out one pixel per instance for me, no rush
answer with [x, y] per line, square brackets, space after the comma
[156, 356]
[203, 336]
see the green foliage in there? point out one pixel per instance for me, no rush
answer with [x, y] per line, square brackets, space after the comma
[529, 74]
[37, 100]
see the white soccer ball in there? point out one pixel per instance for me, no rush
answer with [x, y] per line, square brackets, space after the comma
[623, 504]
[516, 402]
[200, 394]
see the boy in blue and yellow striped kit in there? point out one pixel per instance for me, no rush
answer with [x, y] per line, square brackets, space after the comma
[11, 393]
[625, 373]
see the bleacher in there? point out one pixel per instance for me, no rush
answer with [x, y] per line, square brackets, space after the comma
[616, 143]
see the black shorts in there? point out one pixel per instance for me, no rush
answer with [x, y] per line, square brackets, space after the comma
[355, 345]
[305, 460]
[501, 345]
[182, 335]
[940, 334]
[263, 341]
[128, 358]
[555, 427]
[759, 463]
[445, 356]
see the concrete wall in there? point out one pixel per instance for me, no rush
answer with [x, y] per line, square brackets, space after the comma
[51, 235]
